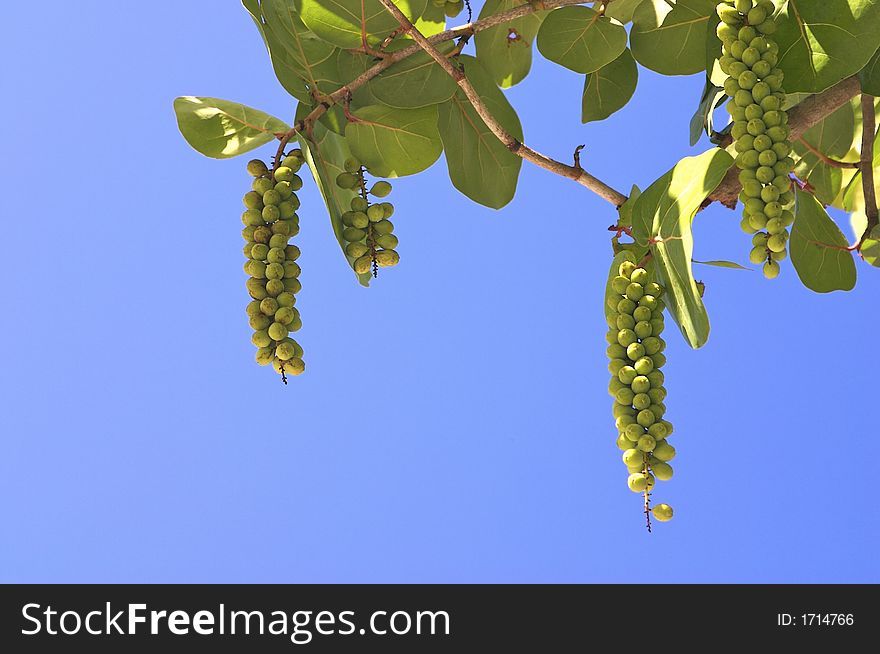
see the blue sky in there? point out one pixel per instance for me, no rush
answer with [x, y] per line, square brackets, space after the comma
[453, 424]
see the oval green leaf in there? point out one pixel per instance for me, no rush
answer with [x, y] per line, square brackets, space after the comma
[722, 264]
[703, 118]
[869, 76]
[609, 88]
[394, 142]
[222, 129]
[662, 219]
[506, 49]
[346, 23]
[871, 248]
[480, 166]
[818, 248]
[820, 43]
[580, 39]
[325, 155]
[417, 81]
[622, 10]
[671, 38]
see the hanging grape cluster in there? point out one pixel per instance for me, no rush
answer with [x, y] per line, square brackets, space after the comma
[760, 126]
[451, 8]
[368, 233]
[270, 220]
[635, 351]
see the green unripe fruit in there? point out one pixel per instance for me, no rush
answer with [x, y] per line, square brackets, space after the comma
[643, 329]
[623, 443]
[252, 218]
[288, 207]
[652, 345]
[256, 288]
[746, 175]
[359, 220]
[615, 365]
[387, 208]
[269, 306]
[756, 126]
[624, 395]
[657, 430]
[637, 482]
[347, 218]
[375, 213]
[744, 143]
[743, 6]
[778, 134]
[662, 513]
[736, 49]
[275, 255]
[262, 184]
[277, 331]
[743, 99]
[285, 350]
[362, 264]
[657, 326]
[261, 338]
[626, 306]
[752, 188]
[619, 284]
[773, 210]
[747, 159]
[257, 168]
[769, 194]
[736, 68]
[353, 234]
[281, 227]
[771, 102]
[639, 276]
[253, 200]
[633, 457]
[750, 57]
[359, 204]
[765, 174]
[274, 287]
[633, 431]
[296, 183]
[646, 364]
[259, 322]
[262, 234]
[787, 218]
[624, 420]
[274, 271]
[351, 165]
[649, 302]
[775, 226]
[663, 471]
[771, 270]
[284, 190]
[248, 233]
[646, 443]
[728, 15]
[277, 241]
[767, 158]
[624, 321]
[635, 291]
[736, 113]
[758, 254]
[271, 197]
[731, 86]
[619, 410]
[292, 367]
[347, 180]
[285, 315]
[627, 374]
[386, 258]
[265, 355]
[253, 308]
[355, 250]
[778, 256]
[759, 239]
[757, 221]
[761, 69]
[641, 314]
[626, 268]
[255, 268]
[746, 80]
[381, 189]
[776, 243]
[773, 118]
[626, 337]
[291, 252]
[286, 299]
[614, 384]
[383, 227]
[246, 250]
[664, 452]
[641, 384]
[746, 34]
[635, 351]
[658, 360]
[291, 269]
[645, 418]
[387, 241]
[641, 401]
[271, 213]
[726, 33]
[284, 174]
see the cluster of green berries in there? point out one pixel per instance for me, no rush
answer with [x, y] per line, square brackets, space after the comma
[451, 8]
[270, 221]
[760, 126]
[635, 352]
[367, 232]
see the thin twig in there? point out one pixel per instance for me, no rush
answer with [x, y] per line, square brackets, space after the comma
[834, 163]
[514, 145]
[867, 165]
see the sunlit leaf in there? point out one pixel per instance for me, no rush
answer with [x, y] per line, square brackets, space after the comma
[819, 249]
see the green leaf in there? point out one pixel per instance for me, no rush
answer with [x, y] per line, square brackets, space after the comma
[325, 155]
[609, 88]
[713, 52]
[580, 39]
[662, 218]
[431, 21]
[221, 129]
[622, 10]
[832, 136]
[671, 39]
[480, 166]
[721, 264]
[417, 81]
[394, 142]
[351, 64]
[818, 248]
[612, 298]
[345, 23]
[869, 76]
[506, 55]
[625, 211]
[703, 119]
[820, 43]
[871, 248]
[300, 59]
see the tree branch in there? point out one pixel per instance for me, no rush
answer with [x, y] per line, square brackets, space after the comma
[515, 146]
[801, 117]
[867, 165]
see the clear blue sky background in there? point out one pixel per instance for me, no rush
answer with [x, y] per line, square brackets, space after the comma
[453, 424]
